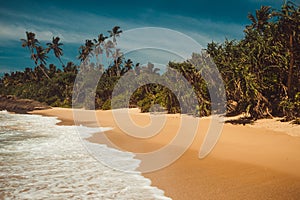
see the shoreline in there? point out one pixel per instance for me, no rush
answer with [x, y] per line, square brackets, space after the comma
[248, 161]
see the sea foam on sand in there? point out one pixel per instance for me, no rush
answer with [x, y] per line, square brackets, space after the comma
[40, 160]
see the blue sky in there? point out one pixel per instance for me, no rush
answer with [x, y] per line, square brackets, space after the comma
[74, 21]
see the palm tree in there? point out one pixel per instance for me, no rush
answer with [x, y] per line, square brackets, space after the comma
[100, 40]
[41, 55]
[150, 69]
[86, 50]
[55, 46]
[33, 44]
[115, 32]
[71, 67]
[261, 18]
[99, 47]
[128, 65]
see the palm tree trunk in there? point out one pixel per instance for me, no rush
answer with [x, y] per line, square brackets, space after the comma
[63, 65]
[116, 57]
[44, 72]
[291, 65]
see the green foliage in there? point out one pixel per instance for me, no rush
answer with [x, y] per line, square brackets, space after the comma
[291, 108]
[261, 71]
[32, 84]
[107, 105]
[150, 96]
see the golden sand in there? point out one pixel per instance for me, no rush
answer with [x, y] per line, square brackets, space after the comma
[259, 161]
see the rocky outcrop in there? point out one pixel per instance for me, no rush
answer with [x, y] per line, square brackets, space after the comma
[22, 106]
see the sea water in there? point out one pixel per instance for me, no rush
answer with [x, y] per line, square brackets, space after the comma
[40, 160]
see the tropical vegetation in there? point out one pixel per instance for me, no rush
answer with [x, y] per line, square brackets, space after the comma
[261, 72]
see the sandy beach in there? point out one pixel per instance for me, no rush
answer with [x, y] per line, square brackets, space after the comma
[259, 161]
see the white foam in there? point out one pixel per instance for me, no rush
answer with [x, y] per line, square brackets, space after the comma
[86, 132]
[40, 160]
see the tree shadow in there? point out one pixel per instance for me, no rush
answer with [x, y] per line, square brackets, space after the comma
[241, 120]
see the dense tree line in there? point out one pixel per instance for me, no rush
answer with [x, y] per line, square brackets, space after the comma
[261, 72]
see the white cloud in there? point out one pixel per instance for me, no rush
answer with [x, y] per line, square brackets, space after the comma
[43, 33]
[71, 27]
[14, 32]
[23, 16]
[160, 40]
[75, 27]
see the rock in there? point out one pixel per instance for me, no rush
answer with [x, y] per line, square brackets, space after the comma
[22, 106]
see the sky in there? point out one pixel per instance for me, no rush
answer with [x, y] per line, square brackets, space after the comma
[75, 21]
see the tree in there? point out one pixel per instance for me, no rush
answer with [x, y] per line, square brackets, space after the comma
[127, 67]
[33, 44]
[289, 27]
[86, 50]
[55, 46]
[261, 18]
[115, 32]
[99, 48]
[150, 69]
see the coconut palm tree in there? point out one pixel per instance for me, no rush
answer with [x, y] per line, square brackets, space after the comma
[128, 66]
[33, 45]
[41, 56]
[150, 69]
[31, 42]
[55, 46]
[115, 32]
[85, 50]
[100, 40]
[99, 48]
[261, 18]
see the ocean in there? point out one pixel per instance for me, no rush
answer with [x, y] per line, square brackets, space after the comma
[41, 160]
